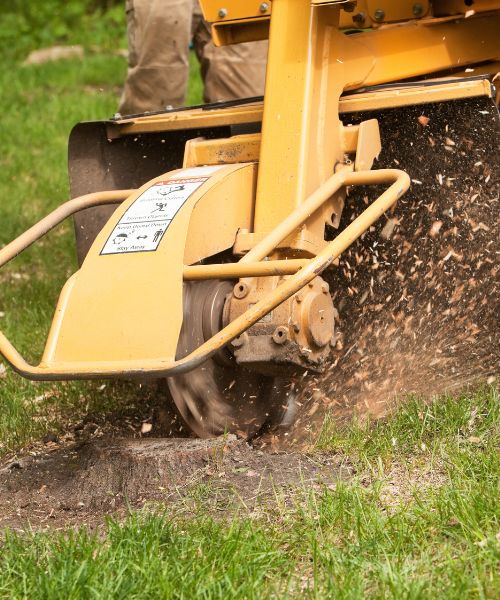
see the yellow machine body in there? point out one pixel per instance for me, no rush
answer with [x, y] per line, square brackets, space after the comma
[265, 196]
[134, 331]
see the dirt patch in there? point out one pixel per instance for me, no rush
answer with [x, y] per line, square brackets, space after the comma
[418, 295]
[75, 484]
[54, 53]
[402, 482]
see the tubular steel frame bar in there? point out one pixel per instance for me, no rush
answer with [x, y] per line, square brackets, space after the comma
[29, 237]
[400, 182]
[239, 270]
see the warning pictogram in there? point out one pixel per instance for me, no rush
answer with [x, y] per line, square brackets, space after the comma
[143, 225]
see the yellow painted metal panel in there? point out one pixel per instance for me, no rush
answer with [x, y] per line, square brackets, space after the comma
[411, 95]
[236, 32]
[235, 149]
[309, 64]
[362, 101]
[128, 307]
[388, 11]
[429, 46]
[221, 10]
[246, 148]
[220, 213]
[186, 119]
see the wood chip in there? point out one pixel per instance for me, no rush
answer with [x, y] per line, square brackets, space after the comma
[435, 227]
[388, 229]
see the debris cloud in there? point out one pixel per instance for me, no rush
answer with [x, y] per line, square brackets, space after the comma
[418, 295]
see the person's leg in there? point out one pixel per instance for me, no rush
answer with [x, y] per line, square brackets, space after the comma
[159, 36]
[230, 72]
[236, 71]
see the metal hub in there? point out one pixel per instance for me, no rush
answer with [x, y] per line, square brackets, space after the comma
[221, 396]
[295, 337]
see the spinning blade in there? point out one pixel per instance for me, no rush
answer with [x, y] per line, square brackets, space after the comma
[220, 396]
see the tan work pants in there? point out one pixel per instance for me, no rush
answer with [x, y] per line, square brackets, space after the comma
[159, 33]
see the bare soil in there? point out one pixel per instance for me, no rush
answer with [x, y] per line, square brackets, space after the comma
[63, 485]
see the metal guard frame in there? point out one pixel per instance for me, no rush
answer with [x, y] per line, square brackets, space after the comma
[253, 264]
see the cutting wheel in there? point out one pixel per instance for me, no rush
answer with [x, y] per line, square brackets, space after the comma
[220, 396]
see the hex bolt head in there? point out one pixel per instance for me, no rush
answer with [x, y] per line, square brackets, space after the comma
[418, 10]
[296, 327]
[325, 288]
[240, 290]
[222, 13]
[280, 335]
[264, 7]
[379, 14]
[359, 17]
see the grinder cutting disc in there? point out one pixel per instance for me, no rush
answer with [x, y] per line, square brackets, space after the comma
[220, 396]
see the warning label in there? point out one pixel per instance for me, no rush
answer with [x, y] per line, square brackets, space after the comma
[145, 222]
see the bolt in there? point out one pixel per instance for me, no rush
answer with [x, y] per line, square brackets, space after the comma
[299, 297]
[240, 290]
[418, 10]
[305, 352]
[264, 7]
[325, 288]
[359, 18]
[349, 7]
[379, 14]
[280, 335]
[296, 327]
[222, 12]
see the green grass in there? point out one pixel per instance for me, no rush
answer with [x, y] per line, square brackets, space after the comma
[419, 430]
[26, 26]
[38, 106]
[417, 517]
[439, 539]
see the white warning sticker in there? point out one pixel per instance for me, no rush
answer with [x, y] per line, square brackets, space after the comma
[145, 222]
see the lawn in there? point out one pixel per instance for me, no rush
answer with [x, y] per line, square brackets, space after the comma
[417, 519]
[39, 105]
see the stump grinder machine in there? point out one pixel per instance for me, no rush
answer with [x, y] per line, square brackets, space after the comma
[203, 234]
